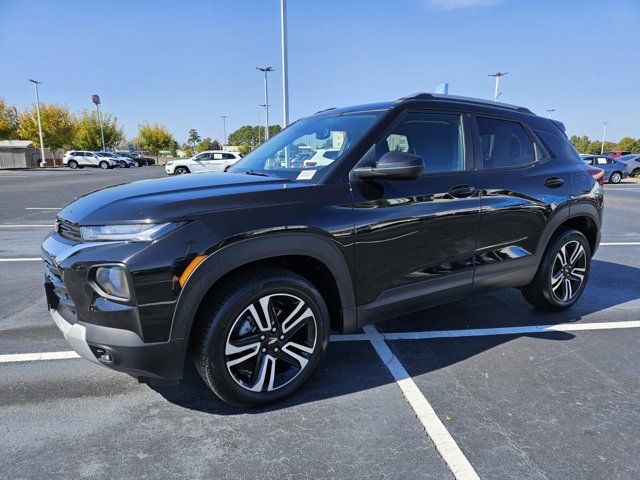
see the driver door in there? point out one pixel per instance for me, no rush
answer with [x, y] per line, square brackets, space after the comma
[200, 162]
[415, 240]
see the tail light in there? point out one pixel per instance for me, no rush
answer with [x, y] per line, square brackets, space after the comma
[597, 174]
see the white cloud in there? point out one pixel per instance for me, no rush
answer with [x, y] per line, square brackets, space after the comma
[453, 4]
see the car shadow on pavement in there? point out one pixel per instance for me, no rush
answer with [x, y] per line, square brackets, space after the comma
[353, 368]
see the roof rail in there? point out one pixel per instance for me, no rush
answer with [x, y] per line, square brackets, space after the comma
[325, 110]
[457, 98]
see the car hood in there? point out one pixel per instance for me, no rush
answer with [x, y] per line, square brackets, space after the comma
[174, 198]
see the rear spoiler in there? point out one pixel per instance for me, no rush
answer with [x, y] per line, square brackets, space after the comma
[561, 126]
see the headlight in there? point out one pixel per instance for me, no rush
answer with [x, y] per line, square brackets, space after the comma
[137, 232]
[169, 164]
[113, 281]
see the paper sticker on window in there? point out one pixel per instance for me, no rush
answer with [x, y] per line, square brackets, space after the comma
[306, 174]
[217, 156]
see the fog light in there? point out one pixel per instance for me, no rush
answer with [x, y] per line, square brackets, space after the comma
[113, 281]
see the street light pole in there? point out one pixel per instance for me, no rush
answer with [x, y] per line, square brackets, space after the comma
[266, 99]
[550, 111]
[285, 67]
[43, 161]
[497, 76]
[604, 135]
[96, 99]
[224, 128]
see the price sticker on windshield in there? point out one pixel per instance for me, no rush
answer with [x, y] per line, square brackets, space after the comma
[306, 174]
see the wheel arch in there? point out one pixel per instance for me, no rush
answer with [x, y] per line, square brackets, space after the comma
[316, 258]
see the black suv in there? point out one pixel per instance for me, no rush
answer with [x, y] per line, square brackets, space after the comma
[429, 199]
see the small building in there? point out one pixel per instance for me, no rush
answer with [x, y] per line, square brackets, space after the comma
[21, 154]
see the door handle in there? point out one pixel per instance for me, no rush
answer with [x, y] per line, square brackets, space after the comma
[462, 191]
[553, 182]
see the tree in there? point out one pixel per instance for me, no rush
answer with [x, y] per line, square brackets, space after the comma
[629, 144]
[244, 149]
[580, 143]
[194, 138]
[154, 138]
[88, 137]
[251, 135]
[58, 126]
[8, 121]
[205, 144]
[216, 145]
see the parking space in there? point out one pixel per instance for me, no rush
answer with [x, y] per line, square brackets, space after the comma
[520, 393]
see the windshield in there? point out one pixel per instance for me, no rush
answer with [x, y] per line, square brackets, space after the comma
[106, 154]
[306, 150]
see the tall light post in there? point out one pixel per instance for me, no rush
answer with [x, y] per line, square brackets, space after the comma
[285, 68]
[96, 99]
[604, 136]
[497, 76]
[224, 128]
[266, 99]
[550, 111]
[43, 161]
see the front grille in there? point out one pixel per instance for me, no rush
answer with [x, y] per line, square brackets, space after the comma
[58, 296]
[68, 230]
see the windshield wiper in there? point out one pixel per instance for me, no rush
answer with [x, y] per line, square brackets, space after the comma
[258, 174]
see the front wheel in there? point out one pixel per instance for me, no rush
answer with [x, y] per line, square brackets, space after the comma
[563, 273]
[261, 336]
[104, 165]
[616, 177]
[181, 170]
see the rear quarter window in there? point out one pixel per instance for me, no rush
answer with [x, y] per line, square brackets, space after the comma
[558, 146]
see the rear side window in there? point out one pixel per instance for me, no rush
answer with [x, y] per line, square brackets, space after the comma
[560, 147]
[436, 138]
[504, 143]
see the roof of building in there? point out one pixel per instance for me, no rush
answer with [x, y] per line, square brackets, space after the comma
[16, 143]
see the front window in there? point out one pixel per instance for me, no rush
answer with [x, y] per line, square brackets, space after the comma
[306, 150]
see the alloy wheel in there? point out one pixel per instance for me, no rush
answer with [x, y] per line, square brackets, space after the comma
[616, 177]
[568, 272]
[271, 342]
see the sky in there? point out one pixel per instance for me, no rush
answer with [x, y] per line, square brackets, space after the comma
[185, 63]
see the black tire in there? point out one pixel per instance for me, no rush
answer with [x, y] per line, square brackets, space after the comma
[636, 173]
[226, 313]
[615, 177]
[541, 292]
[72, 164]
[104, 165]
[181, 171]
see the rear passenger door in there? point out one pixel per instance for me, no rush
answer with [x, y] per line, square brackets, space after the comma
[521, 186]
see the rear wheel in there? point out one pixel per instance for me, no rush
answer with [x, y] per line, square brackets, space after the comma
[636, 173]
[259, 338]
[181, 170]
[563, 273]
[104, 165]
[72, 164]
[616, 177]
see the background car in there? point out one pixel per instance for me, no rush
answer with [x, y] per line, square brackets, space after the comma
[82, 158]
[632, 161]
[616, 153]
[322, 157]
[139, 161]
[614, 169]
[207, 161]
[123, 162]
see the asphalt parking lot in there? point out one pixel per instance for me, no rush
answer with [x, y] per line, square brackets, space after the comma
[488, 387]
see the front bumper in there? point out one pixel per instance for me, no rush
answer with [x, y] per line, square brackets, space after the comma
[169, 169]
[135, 334]
[127, 353]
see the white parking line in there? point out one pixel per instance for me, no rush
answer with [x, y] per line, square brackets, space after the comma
[29, 357]
[17, 225]
[26, 259]
[611, 244]
[437, 432]
[486, 332]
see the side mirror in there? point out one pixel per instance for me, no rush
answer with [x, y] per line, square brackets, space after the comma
[393, 166]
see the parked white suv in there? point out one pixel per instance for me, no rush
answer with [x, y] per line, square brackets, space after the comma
[80, 158]
[207, 161]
